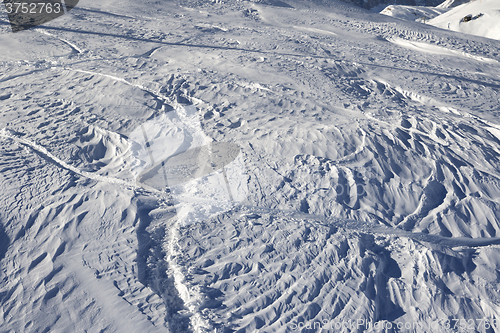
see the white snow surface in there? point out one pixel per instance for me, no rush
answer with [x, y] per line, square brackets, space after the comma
[450, 15]
[412, 13]
[485, 22]
[452, 3]
[249, 166]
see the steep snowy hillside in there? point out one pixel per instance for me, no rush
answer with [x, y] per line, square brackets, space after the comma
[452, 3]
[481, 18]
[412, 13]
[242, 166]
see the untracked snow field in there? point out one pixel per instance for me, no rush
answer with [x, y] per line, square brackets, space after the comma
[247, 166]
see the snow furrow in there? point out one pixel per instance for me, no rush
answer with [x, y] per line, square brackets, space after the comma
[44, 153]
[75, 48]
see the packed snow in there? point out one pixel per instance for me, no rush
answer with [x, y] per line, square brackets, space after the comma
[250, 166]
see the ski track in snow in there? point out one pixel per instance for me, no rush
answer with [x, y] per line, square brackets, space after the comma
[373, 171]
[437, 240]
[73, 47]
[191, 299]
[42, 151]
[433, 49]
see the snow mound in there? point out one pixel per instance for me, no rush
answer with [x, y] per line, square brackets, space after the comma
[486, 25]
[102, 153]
[101, 147]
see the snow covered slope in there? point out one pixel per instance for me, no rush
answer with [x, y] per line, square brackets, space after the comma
[412, 13]
[485, 19]
[484, 16]
[265, 166]
[452, 3]
[368, 4]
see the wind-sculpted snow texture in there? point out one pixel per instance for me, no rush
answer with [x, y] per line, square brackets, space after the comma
[271, 166]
